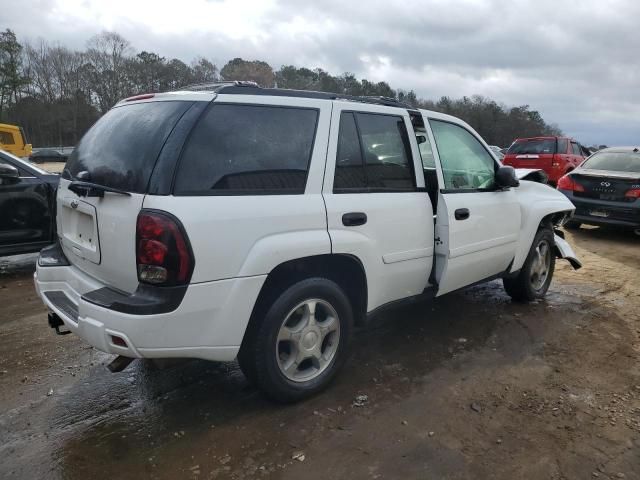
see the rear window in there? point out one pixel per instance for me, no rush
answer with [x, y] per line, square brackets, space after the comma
[614, 161]
[121, 149]
[540, 146]
[248, 149]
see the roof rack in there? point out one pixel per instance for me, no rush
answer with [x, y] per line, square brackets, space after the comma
[216, 86]
[238, 87]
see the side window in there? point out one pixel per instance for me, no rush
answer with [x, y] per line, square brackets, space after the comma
[386, 150]
[373, 154]
[576, 149]
[349, 165]
[248, 149]
[465, 162]
[6, 138]
[426, 152]
[563, 145]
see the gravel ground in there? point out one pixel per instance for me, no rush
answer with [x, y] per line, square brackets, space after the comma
[468, 386]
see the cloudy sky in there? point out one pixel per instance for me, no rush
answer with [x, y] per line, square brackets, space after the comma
[577, 62]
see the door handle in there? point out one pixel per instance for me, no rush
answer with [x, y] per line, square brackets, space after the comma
[461, 214]
[353, 219]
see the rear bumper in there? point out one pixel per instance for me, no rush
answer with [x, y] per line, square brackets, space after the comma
[620, 214]
[209, 323]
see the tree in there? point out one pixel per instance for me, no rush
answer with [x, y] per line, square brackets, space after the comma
[296, 78]
[56, 93]
[255, 70]
[203, 71]
[107, 58]
[11, 78]
[176, 74]
[146, 72]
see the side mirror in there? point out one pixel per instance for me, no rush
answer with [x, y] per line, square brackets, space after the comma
[8, 173]
[506, 177]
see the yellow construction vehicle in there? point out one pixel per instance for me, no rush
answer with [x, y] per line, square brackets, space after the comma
[13, 140]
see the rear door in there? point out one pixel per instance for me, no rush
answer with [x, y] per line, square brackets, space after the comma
[377, 206]
[97, 231]
[576, 154]
[477, 225]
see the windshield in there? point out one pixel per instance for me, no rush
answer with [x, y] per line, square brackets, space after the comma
[534, 145]
[121, 149]
[614, 161]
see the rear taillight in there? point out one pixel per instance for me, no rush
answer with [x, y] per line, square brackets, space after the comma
[633, 193]
[163, 253]
[568, 183]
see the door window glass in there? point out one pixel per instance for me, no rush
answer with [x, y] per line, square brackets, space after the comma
[563, 145]
[426, 152]
[387, 155]
[349, 165]
[373, 154]
[465, 162]
[574, 148]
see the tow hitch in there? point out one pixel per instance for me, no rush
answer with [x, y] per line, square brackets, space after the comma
[56, 322]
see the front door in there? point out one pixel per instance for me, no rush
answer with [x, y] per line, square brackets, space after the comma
[377, 207]
[477, 224]
[25, 221]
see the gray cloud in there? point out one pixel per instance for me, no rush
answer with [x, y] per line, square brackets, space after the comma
[574, 61]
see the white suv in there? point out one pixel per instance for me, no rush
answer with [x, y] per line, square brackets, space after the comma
[264, 224]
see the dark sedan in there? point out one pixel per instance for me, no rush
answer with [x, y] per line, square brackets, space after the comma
[27, 206]
[606, 189]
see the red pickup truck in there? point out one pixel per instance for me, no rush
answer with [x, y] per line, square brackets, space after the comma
[555, 155]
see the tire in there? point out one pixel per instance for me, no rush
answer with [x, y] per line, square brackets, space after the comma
[528, 284]
[572, 225]
[288, 355]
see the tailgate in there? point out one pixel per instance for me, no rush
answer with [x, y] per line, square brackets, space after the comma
[532, 160]
[119, 153]
[98, 235]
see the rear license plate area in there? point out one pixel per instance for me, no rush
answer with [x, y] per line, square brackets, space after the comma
[80, 229]
[599, 213]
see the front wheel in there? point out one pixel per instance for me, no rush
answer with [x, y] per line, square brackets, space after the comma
[301, 342]
[535, 275]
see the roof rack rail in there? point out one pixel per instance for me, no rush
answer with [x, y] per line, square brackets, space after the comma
[238, 87]
[215, 86]
[388, 101]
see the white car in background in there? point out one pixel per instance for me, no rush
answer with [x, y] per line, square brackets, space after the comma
[497, 151]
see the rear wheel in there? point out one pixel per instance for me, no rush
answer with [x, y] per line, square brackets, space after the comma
[535, 276]
[301, 342]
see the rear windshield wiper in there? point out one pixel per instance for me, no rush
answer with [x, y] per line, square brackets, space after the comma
[88, 189]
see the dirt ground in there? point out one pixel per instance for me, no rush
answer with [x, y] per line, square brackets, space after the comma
[470, 386]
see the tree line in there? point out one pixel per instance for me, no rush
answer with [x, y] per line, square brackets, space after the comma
[56, 93]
